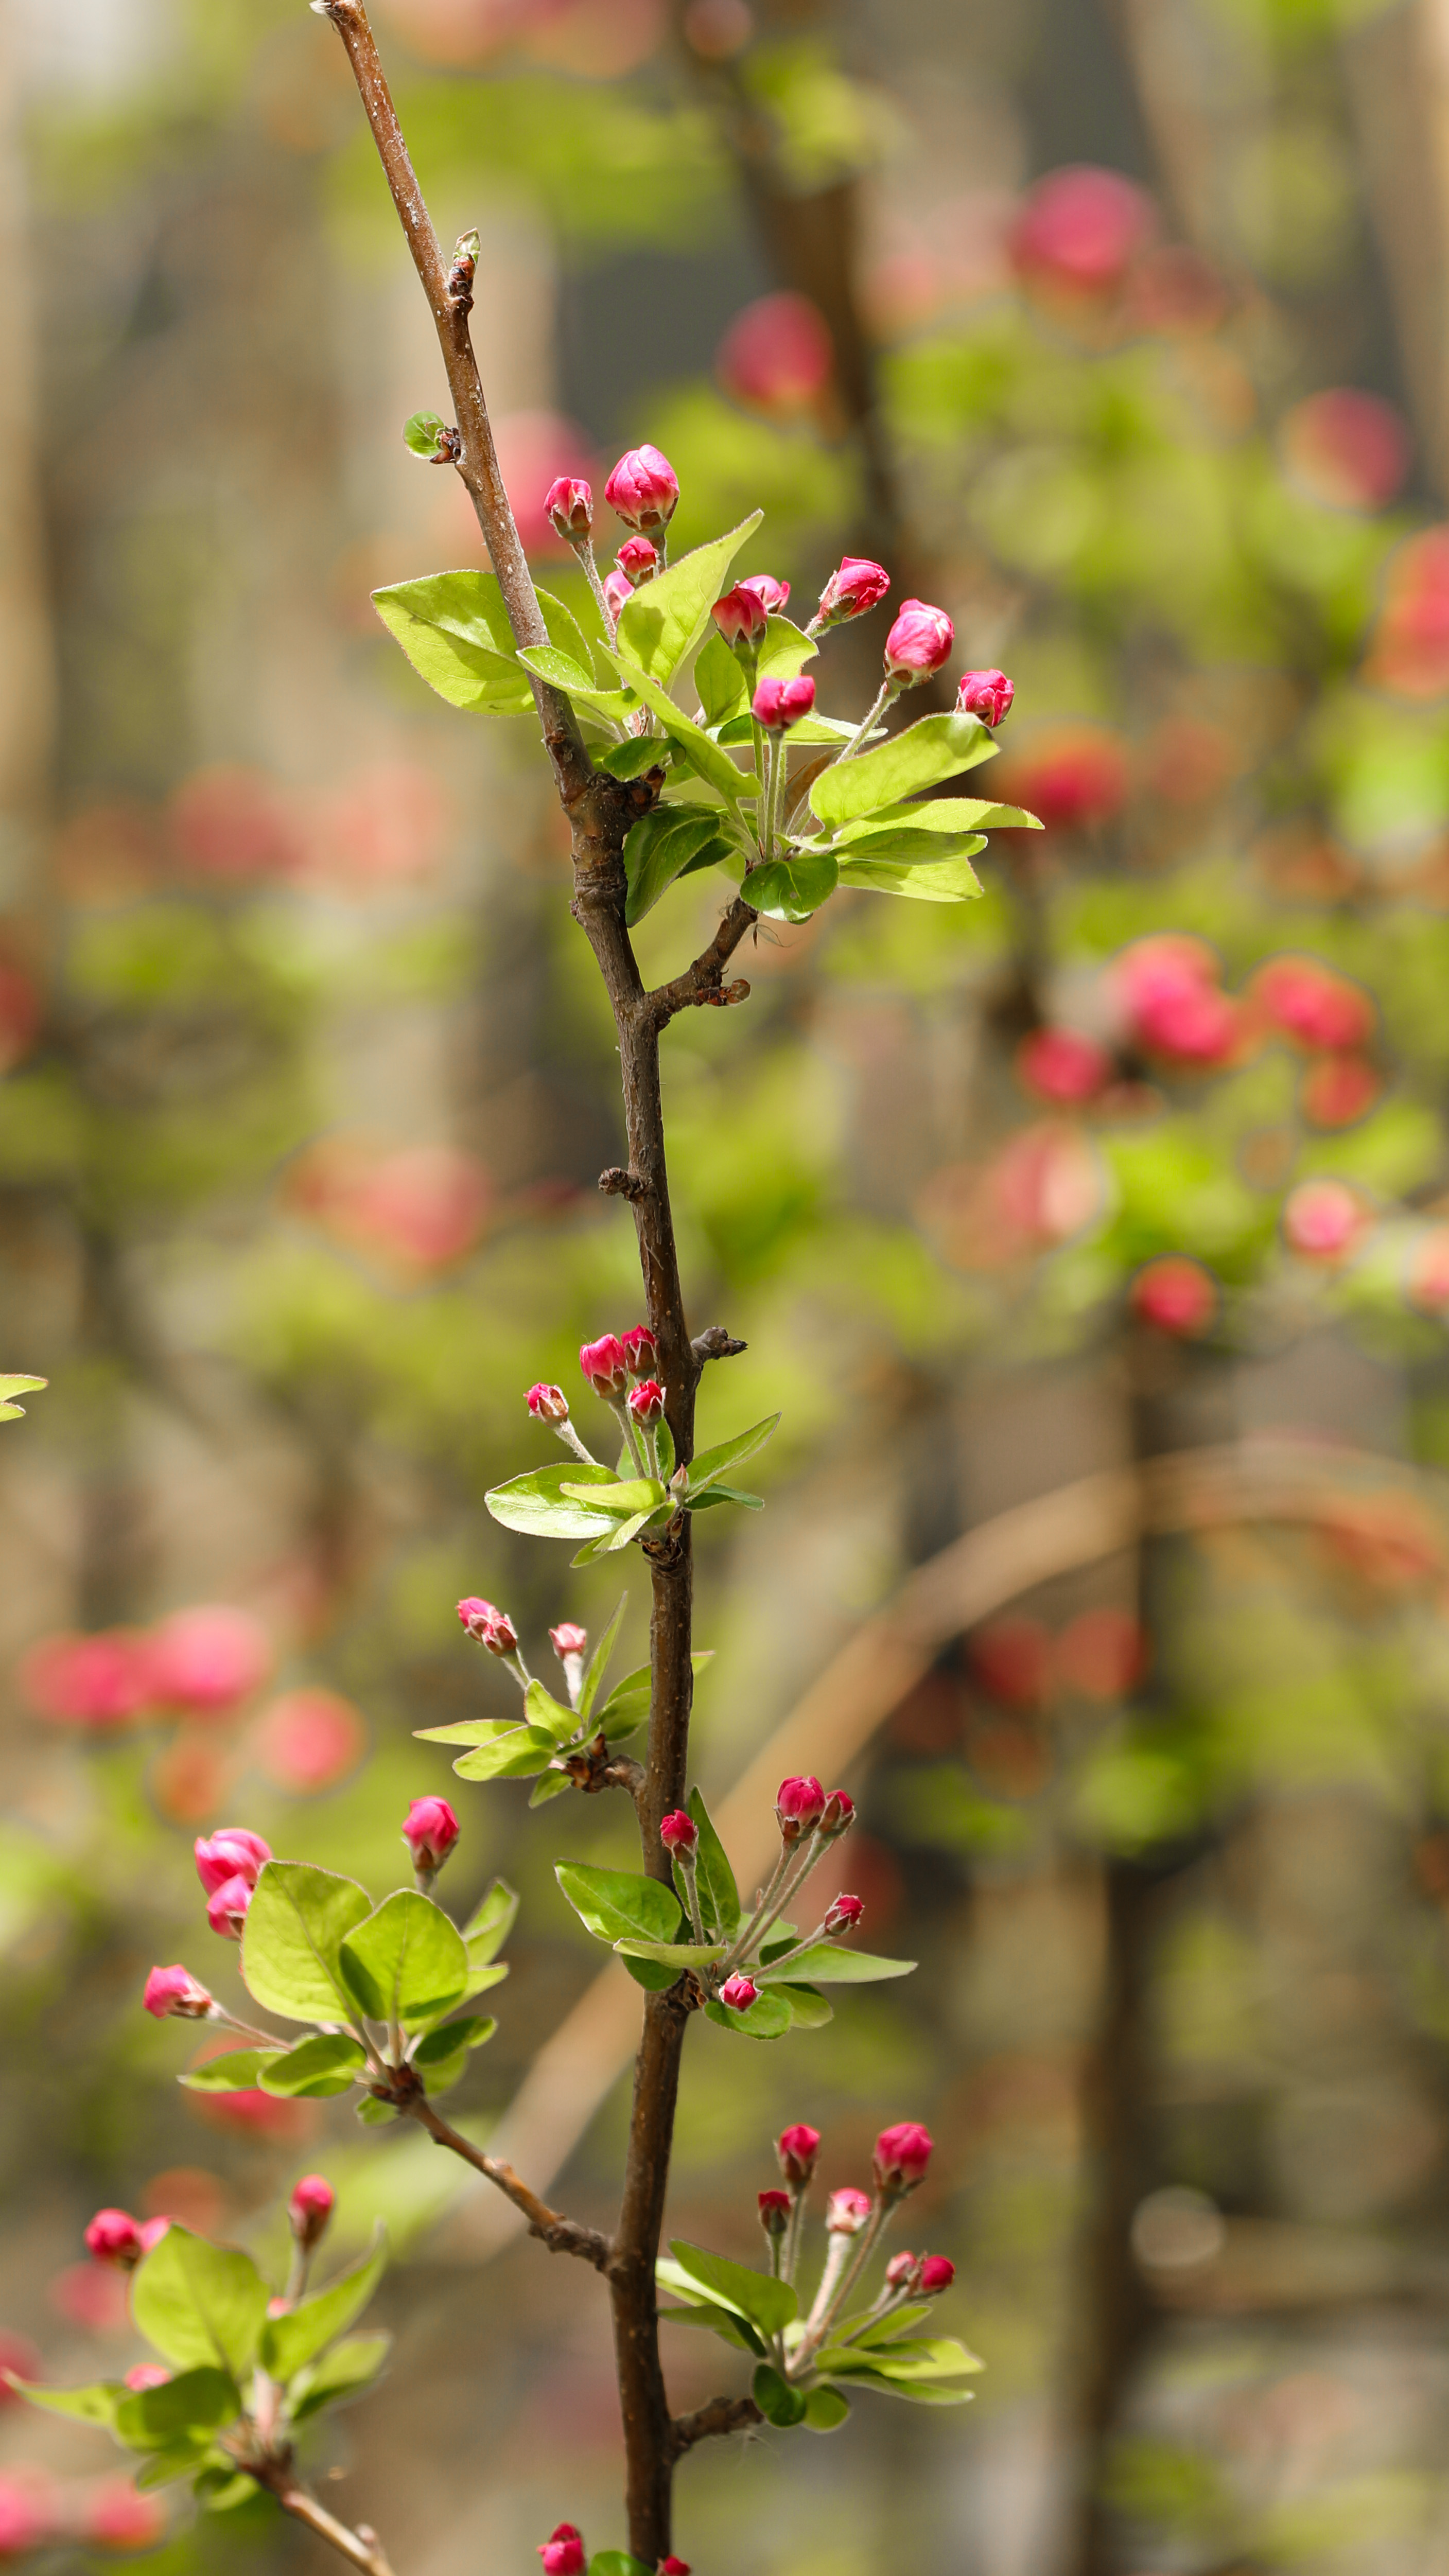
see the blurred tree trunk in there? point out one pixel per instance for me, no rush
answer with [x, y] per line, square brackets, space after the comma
[27, 690]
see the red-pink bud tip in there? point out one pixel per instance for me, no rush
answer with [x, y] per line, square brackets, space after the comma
[900, 2271]
[548, 1403]
[845, 1913]
[859, 585]
[643, 491]
[901, 2156]
[563, 2555]
[741, 616]
[638, 561]
[605, 1363]
[986, 695]
[618, 591]
[919, 642]
[799, 1806]
[1175, 1296]
[797, 2148]
[847, 2210]
[310, 2207]
[231, 1852]
[675, 2567]
[115, 2237]
[641, 1350]
[646, 1402]
[775, 2207]
[679, 1832]
[430, 1829]
[492, 1628]
[226, 1908]
[739, 1993]
[175, 1990]
[568, 1639]
[152, 2231]
[771, 594]
[838, 1813]
[146, 2374]
[778, 704]
[937, 2274]
[569, 503]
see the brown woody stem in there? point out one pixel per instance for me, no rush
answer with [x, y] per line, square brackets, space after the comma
[361, 2548]
[561, 2235]
[721, 2415]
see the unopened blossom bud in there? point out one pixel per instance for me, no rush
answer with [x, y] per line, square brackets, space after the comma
[147, 2374]
[771, 594]
[846, 2211]
[569, 503]
[492, 1628]
[799, 1806]
[845, 1913]
[643, 490]
[226, 1907]
[605, 1363]
[646, 1402]
[774, 2212]
[738, 1992]
[778, 704]
[797, 2148]
[858, 586]
[430, 1829]
[641, 1350]
[1323, 1220]
[1175, 1295]
[563, 2554]
[918, 643]
[901, 2156]
[937, 2274]
[680, 1833]
[309, 2209]
[740, 617]
[638, 561]
[231, 1852]
[675, 2567]
[548, 1404]
[618, 591]
[152, 2231]
[114, 2237]
[985, 694]
[901, 2271]
[838, 1814]
[568, 1639]
[175, 1990]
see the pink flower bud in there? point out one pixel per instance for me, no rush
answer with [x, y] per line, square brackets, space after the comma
[797, 2148]
[838, 1814]
[638, 561]
[919, 642]
[776, 356]
[937, 2274]
[569, 503]
[24, 2517]
[548, 1404]
[430, 1829]
[605, 1363]
[679, 1832]
[568, 1639]
[799, 1806]
[1062, 1066]
[226, 1907]
[563, 2553]
[492, 1628]
[643, 491]
[987, 694]
[900, 2271]
[845, 1913]
[902, 2155]
[780, 703]
[618, 590]
[152, 2231]
[207, 1659]
[775, 2209]
[1319, 1009]
[146, 2374]
[1322, 1220]
[641, 1350]
[175, 1990]
[772, 595]
[846, 2211]
[114, 2236]
[1079, 231]
[646, 1402]
[675, 2567]
[309, 2209]
[1175, 1296]
[1168, 989]
[739, 1993]
[858, 586]
[232, 1852]
[740, 616]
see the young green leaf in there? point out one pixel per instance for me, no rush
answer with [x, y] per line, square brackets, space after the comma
[662, 623]
[719, 1897]
[96, 2403]
[704, 756]
[936, 747]
[490, 1922]
[947, 816]
[617, 1904]
[454, 630]
[678, 1955]
[180, 2459]
[627, 1706]
[716, 2321]
[407, 1962]
[769, 2304]
[199, 2303]
[12, 1386]
[948, 880]
[717, 1494]
[649, 1974]
[620, 1537]
[622, 1501]
[826, 1965]
[826, 2409]
[514, 1753]
[791, 890]
[534, 1503]
[221, 2490]
[193, 2405]
[562, 670]
[617, 2562]
[549, 1784]
[808, 2010]
[344, 2372]
[295, 1924]
[719, 677]
[777, 2401]
[714, 1463]
[598, 1662]
[326, 2064]
[543, 1710]
[289, 2341]
[768, 2017]
[471, 2030]
[239, 2071]
[631, 759]
[661, 846]
[423, 432]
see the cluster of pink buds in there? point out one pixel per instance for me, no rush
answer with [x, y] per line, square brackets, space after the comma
[563, 2554]
[309, 2209]
[803, 1807]
[920, 2276]
[902, 2155]
[228, 1865]
[116, 2238]
[430, 1830]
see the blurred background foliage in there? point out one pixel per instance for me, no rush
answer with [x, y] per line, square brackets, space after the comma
[1107, 1218]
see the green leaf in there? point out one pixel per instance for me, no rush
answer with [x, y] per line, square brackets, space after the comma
[777, 2401]
[549, 1784]
[617, 1904]
[472, 2030]
[713, 1463]
[563, 627]
[768, 2017]
[716, 2321]
[717, 1494]
[791, 890]
[719, 1897]
[221, 2491]
[295, 1924]
[375, 2114]
[490, 1922]
[10, 1387]
[678, 1955]
[768, 2304]
[563, 670]
[719, 677]
[648, 1974]
[196, 2403]
[627, 1706]
[808, 2010]
[513, 1753]
[289, 2341]
[785, 650]
[623, 1501]
[543, 1710]
[662, 623]
[598, 1662]
[344, 2372]
[199, 2303]
[96, 2403]
[664, 1450]
[454, 630]
[936, 747]
[926, 2357]
[179, 2460]
[826, 1965]
[899, 845]
[617, 2562]
[920, 2393]
[327, 2064]
[884, 2328]
[631, 759]
[703, 755]
[407, 1962]
[534, 1503]
[826, 2409]
[610, 1546]
[423, 432]
[239, 2071]
[948, 880]
[660, 846]
[946, 816]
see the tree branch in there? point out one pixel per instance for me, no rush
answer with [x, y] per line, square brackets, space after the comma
[361, 2548]
[704, 980]
[721, 2415]
[561, 2235]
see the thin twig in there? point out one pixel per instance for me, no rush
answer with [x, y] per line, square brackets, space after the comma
[721, 2415]
[702, 982]
[561, 2235]
[361, 2548]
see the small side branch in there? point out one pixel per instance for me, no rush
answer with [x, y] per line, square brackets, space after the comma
[616, 1183]
[721, 2415]
[703, 982]
[561, 2235]
[361, 2548]
[714, 1343]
